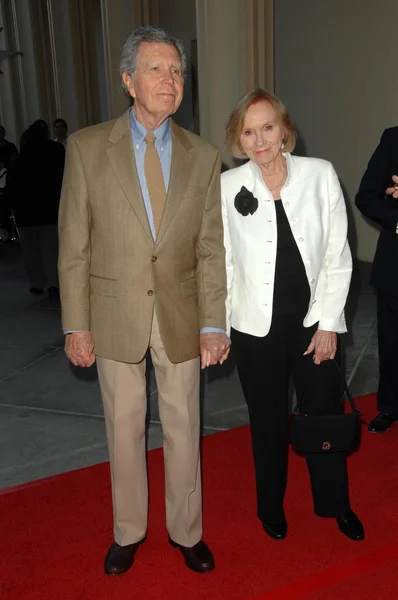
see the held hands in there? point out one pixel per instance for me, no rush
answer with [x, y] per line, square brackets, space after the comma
[393, 190]
[323, 345]
[79, 348]
[214, 348]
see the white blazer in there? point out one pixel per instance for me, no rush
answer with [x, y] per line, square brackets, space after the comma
[315, 208]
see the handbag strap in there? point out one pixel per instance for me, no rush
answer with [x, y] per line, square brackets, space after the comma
[354, 407]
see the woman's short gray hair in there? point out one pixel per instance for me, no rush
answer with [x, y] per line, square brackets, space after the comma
[129, 57]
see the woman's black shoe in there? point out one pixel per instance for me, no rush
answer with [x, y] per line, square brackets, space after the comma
[277, 531]
[351, 526]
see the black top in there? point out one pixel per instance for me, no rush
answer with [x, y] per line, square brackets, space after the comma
[372, 201]
[291, 289]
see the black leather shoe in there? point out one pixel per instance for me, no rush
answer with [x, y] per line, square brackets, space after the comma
[277, 531]
[382, 422]
[198, 558]
[119, 559]
[351, 526]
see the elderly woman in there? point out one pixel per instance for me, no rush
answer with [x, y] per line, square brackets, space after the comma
[288, 269]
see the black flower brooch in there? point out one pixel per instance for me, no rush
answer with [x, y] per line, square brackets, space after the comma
[245, 203]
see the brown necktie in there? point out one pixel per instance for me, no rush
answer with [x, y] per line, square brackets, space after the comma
[154, 179]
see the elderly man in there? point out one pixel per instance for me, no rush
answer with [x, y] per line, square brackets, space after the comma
[142, 267]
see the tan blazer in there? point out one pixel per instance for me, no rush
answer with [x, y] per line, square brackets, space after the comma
[111, 272]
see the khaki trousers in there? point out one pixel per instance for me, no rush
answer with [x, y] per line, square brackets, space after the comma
[123, 390]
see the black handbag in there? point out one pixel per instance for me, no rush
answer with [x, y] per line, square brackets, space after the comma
[324, 434]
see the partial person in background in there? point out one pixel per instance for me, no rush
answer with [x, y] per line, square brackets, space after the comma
[39, 123]
[34, 182]
[288, 274]
[42, 123]
[60, 128]
[377, 199]
[3, 177]
[8, 150]
[8, 233]
[4, 208]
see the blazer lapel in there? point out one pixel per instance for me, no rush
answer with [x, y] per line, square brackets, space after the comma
[181, 167]
[122, 159]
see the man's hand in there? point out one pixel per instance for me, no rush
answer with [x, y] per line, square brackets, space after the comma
[393, 190]
[323, 345]
[214, 348]
[79, 348]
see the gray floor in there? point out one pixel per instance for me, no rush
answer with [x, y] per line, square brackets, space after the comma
[50, 412]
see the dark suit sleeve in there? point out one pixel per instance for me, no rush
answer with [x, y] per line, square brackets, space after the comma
[371, 198]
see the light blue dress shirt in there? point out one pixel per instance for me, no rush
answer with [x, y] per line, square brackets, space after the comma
[163, 145]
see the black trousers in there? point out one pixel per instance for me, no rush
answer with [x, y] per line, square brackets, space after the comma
[387, 333]
[266, 366]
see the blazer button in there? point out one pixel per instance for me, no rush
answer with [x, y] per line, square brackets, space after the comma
[150, 292]
[154, 258]
[301, 239]
[312, 280]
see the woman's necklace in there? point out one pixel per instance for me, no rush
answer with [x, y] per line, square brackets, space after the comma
[281, 181]
[279, 184]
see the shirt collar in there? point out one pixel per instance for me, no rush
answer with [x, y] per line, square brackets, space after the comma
[139, 132]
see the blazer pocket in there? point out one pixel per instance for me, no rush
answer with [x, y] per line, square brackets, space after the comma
[103, 286]
[188, 287]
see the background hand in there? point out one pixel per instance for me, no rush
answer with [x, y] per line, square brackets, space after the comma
[323, 345]
[79, 348]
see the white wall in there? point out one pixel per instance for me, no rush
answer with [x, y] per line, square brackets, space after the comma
[65, 72]
[179, 19]
[18, 109]
[100, 64]
[21, 106]
[335, 69]
[30, 98]
[7, 117]
[222, 64]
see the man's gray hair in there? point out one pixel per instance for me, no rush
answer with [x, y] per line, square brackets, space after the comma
[129, 57]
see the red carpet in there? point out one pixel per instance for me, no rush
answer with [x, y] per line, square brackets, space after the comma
[54, 534]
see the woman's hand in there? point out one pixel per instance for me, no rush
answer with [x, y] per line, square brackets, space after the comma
[323, 345]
